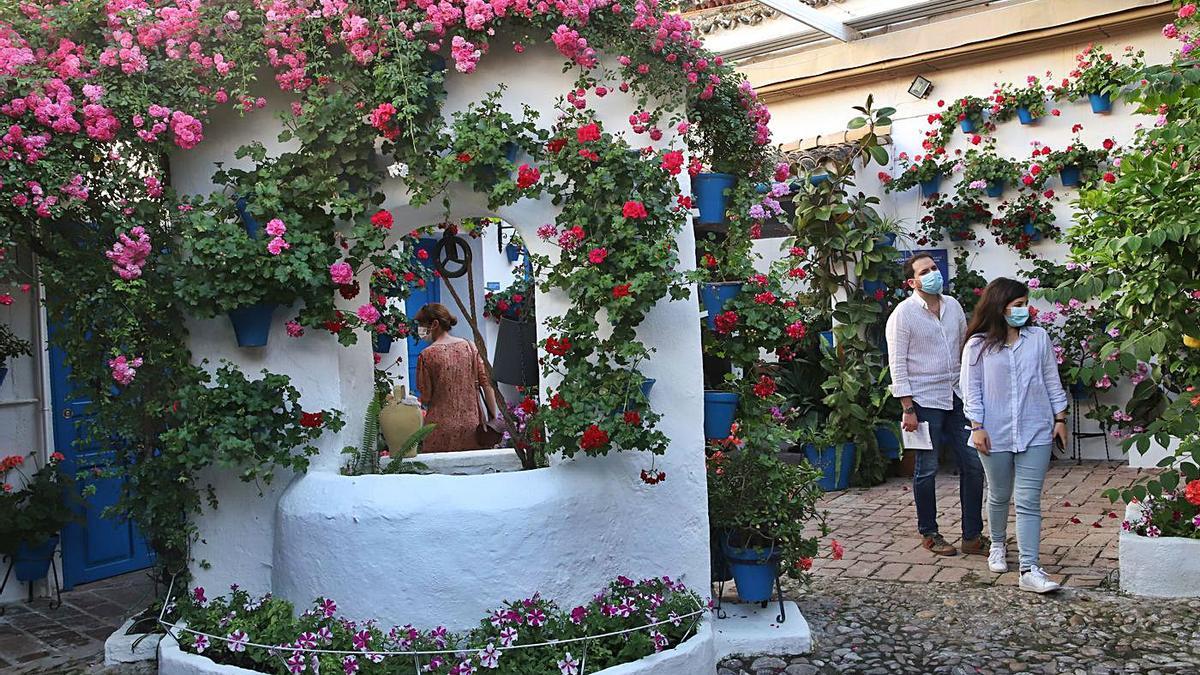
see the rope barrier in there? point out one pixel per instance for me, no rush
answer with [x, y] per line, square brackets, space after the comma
[417, 653]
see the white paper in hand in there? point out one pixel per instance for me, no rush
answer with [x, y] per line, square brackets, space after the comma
[917, 440]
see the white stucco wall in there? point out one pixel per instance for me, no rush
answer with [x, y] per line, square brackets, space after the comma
[441, 549]
[810, 116]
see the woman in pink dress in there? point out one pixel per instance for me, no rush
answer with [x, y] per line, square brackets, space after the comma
[450, 374]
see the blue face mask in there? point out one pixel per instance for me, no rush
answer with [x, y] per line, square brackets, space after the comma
[931, 282]
[1017, 316]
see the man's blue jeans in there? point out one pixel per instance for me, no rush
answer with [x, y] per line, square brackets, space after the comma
[948, 430]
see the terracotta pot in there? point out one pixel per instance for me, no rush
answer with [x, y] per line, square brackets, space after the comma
[399, 419]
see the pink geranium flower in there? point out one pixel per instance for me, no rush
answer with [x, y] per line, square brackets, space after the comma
[341, 273]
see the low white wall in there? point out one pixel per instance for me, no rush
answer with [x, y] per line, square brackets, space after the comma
[1160, 567]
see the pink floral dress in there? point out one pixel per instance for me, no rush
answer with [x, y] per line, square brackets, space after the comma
[449, 375]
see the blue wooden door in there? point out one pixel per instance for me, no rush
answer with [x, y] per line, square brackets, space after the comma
[96, 547]
[432, 292]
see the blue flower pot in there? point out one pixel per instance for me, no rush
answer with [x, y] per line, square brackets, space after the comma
[995, 190]
[33, 562]
[967, 125]
[647, 385]
[720, 407]
[889, 445]
[1101, 103]
[930, 187]
[715, 296]
[252, 324]
[827, 338]
[1071, 176]
[383, 343]
[826, 459]
[1025, 115]
[754, 570]
[3, 374]
[248, 221]
[513, 252]
[709, 189]
[1034, 235]
[1080, 391]
[888, 239]
[818, 178]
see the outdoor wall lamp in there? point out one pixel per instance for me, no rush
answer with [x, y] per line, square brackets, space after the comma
[920, 87]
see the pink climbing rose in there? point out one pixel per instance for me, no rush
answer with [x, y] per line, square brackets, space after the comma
[129, 254]
[124, 370]
[368, 313]
[341, 273]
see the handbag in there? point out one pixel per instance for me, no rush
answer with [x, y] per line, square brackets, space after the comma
[488, 434]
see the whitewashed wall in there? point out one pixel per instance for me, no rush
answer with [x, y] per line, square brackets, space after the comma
[441, 549]
[810, 116]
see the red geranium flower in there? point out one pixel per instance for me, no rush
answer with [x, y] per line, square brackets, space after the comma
[804, 564]
[588, 133]
[765, 387]
[1110, 177]
[528, 405]
[557, 401]
[838, 550]
[710, 261]
[593, 438]
[558, 347]
[312, 420]
[1191, 492]
[632, 417]
[527, 176]
[634, 210]
[765, 298]
[620, 291]
[555, 145]
[597, 255]
[797, 330]
[672, 162]
[382, 219]
[726, 322]
[464, 157]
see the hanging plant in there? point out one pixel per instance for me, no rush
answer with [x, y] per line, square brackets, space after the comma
[984, 171]
[1077, 163]
[1028, 102]
[1099, 77]
[1025, 221]
[926, 170]
[952, 217]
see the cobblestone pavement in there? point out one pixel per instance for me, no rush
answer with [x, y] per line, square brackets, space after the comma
[70, 639]
[878, 528]
[888, 627]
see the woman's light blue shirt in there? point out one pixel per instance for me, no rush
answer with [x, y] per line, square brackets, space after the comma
[1013, 391]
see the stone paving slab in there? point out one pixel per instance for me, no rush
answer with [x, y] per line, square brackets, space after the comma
[878, 528]
[35, 639]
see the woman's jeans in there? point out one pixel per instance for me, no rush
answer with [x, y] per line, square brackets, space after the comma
[948, 430]
[1022, 473]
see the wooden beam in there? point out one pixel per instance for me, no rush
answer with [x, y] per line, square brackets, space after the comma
[813, 19]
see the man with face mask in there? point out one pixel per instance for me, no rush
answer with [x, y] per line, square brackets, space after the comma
[925, 337]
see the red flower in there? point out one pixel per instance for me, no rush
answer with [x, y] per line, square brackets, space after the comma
[527, 176]
[593, 438]
[1048, 194]
[464, 157]
[529, 406]
[765, 298]
[1110, 177]
[1108, 144]
[312, 420]
[557, 402]
[672, 162]
[726, 322]
[651, 478]
[1191, 492]
[382, 219]
[632, 417]
[57, 456]
[797, 273]
[879, 294]
[620, 291]
[797, 330]
[634, 210]
[555, 145]
[588, 154]
[838, 550]
[1056, 112]
[1027, 179]
[588, 133]
[766, 387]
[558, 347]
[423, 254]
[349, 291]
[804, 564]
[1035, 169]
[685, 201]
[597, 255]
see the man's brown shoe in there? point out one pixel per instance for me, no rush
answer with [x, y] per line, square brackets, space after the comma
[980, 545]
[936, 543]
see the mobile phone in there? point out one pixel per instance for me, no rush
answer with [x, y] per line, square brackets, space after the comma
[1058, 443]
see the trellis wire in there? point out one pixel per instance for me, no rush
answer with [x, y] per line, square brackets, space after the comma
[415, 654]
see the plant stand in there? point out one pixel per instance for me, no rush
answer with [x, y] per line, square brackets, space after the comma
[1077, 436]
[719, 611]
[55, 602]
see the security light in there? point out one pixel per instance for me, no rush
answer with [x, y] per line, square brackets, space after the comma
[920, 87]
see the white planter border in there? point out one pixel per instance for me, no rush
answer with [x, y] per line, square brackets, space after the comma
[1160, 567]
[697, 654]
[122, 648]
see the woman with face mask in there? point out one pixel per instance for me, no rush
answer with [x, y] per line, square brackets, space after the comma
[450, 374]
[1017, 409]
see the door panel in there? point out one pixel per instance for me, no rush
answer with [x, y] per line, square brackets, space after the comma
[432, 292]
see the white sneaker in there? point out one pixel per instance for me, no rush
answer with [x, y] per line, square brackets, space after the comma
[998, 559]
[1035, 580]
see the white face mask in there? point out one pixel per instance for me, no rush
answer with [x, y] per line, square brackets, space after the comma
[423, 332]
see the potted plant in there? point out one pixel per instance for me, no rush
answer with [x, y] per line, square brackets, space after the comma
[722, 143]
[953, 217]
[1027, 102]
[1097, 76]
[763, 509]
[11, 346]
[924, 170]
[1077, 162]
[1023, 222]
[34, 507]
[514, 247]
[984, 170]
[967, 112]
[967, 284]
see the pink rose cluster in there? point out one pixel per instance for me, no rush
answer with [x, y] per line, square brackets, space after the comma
[124, 370]
[341, 273]
[129, 254]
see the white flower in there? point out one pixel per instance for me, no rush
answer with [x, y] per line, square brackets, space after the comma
[568, 665]
[398, 170]
[489, 657]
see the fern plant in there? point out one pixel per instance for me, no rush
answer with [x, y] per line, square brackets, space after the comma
[365, 458]
[398, 465]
